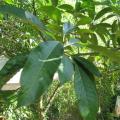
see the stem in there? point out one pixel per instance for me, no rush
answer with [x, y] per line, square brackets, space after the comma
[90, 53]
[42, 36]
[51, 99]
[34, 9]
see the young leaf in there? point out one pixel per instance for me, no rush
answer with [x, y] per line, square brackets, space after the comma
[88, 65]
[65, 70]
[22, 14]
[103, 12]
[11, 68]
[86, 94]
[38, 71]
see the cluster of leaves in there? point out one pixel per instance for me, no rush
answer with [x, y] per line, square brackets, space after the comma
[61, 50]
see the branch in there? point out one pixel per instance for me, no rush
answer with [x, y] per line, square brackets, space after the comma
[51, 99]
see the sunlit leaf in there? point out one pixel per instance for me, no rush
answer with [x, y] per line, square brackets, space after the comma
[103, 12]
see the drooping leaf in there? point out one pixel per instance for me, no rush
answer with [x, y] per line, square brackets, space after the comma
[103, 12]
[86, 94]
[88, 65]
[11, 68]
[65, 70]
[38, 71]
[22, 14]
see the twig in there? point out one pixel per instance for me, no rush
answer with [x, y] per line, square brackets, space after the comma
[42, 36]
[90, 53]
[34, 9]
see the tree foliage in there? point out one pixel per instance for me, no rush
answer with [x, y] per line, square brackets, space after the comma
[67, 32]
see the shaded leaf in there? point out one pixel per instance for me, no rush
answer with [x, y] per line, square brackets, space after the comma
[66, 7]
[84, 20]
[68, 27]
[38, 71]
[103, 12]
[88, 65]
[65, 70]
[54, 2]
[78, 6]
[86, 94]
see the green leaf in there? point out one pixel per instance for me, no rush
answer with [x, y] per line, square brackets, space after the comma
[38, 71]
[65, 70]
[68, 27]
[51, 11]
[84, 20]
[12, 66]
[78, 6]
[67, 8]
[114, 55]
[105, 25]
[103, 12]
[86, 94]
[54, 2]
[106, 18]
[22, 14]
[82, 31]
[94, 39]
[114, 26]
[88, 65]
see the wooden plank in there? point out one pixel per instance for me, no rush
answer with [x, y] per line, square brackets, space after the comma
[10, 86]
